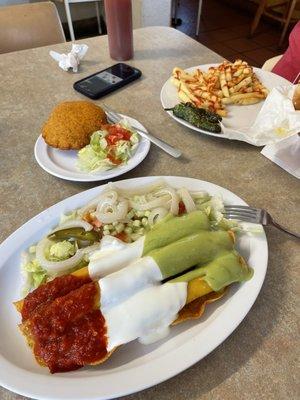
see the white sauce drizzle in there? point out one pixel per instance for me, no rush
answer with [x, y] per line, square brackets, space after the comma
[113, 256]
[120, 285]
[157, 334]
[148, 312]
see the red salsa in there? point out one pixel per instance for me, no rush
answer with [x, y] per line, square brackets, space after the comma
[70, 331]
[50, 291]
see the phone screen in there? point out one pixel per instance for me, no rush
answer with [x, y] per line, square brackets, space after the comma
[103, 80]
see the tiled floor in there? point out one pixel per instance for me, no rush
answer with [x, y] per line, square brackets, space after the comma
[225, 30]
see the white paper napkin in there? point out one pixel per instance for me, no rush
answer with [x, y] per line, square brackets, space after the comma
[72, 59]
[276, 120]
[286, 154]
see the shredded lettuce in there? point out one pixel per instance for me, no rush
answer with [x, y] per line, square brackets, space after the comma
[213, 206]
[94, 156]
[89, 160]
[33, 274]
[98, 142]
[123, 150]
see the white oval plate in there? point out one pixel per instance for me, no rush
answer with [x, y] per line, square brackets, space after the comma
[134, 366]
[239, 117]
[62, 163]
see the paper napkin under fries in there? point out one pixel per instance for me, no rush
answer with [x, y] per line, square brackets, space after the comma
[276, 120]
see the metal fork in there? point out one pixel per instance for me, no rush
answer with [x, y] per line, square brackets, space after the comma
[115, 118]
[254, 215]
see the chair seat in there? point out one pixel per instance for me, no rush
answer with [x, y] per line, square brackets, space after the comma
[25, 26]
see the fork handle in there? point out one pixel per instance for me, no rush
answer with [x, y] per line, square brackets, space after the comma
[278, 226]
[160, 143]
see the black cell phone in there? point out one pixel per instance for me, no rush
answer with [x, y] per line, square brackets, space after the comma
[107, 80]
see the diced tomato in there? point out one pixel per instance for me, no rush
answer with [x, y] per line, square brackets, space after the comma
[113, 139]
[96, 223]
[92, 220]
[181, 208]
[116, 133]
[111, 156]
[122, 236]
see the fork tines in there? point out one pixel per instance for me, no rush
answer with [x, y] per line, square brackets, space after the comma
[244, 213]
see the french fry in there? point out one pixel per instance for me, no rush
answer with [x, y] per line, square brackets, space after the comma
[241, 96]
[223, 84]
[251, 100]
[244, 82]
[228, 74]
[183, 97]
[228, 83]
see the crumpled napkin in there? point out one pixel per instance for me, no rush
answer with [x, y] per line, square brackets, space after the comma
[276, 120]
[72, 59]
[286, 154]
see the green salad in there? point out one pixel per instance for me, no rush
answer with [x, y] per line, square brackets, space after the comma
[112, 146]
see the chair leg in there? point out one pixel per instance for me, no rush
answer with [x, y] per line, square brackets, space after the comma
[98, 17]
[198, 17]
[174, 7]
[287, 21]
[69, 19]
[258, 15]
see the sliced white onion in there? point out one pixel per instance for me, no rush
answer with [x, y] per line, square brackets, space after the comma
[54, 267]
[90, 249]
[149, 205]
[110, 195]
[74, 223]
[156, 215]
[159, 184]
[187, 200]
[174, 207]
[91, 206]
[199, 194]
[108, 213]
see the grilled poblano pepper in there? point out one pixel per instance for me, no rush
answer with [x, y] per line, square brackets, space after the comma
[198, 117]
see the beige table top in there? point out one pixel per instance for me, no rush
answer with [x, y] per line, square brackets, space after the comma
[258, 361]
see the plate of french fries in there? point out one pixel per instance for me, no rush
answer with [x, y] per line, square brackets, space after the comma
[233, 91]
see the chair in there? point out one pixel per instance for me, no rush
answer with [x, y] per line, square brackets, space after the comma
[174, 7]
[25, 26]
[270, 11]
[69, 17]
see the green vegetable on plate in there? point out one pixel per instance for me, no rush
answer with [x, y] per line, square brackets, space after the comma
[199, 117]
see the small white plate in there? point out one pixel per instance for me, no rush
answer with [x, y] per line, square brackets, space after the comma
[134, 366]
[62, 163]
[239, 117]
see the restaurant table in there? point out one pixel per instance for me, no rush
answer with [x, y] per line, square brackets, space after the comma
[259, 360]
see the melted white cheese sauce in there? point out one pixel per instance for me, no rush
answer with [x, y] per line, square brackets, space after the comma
[156, 334]
[146, 315]
[113, 255]
[120, 285]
